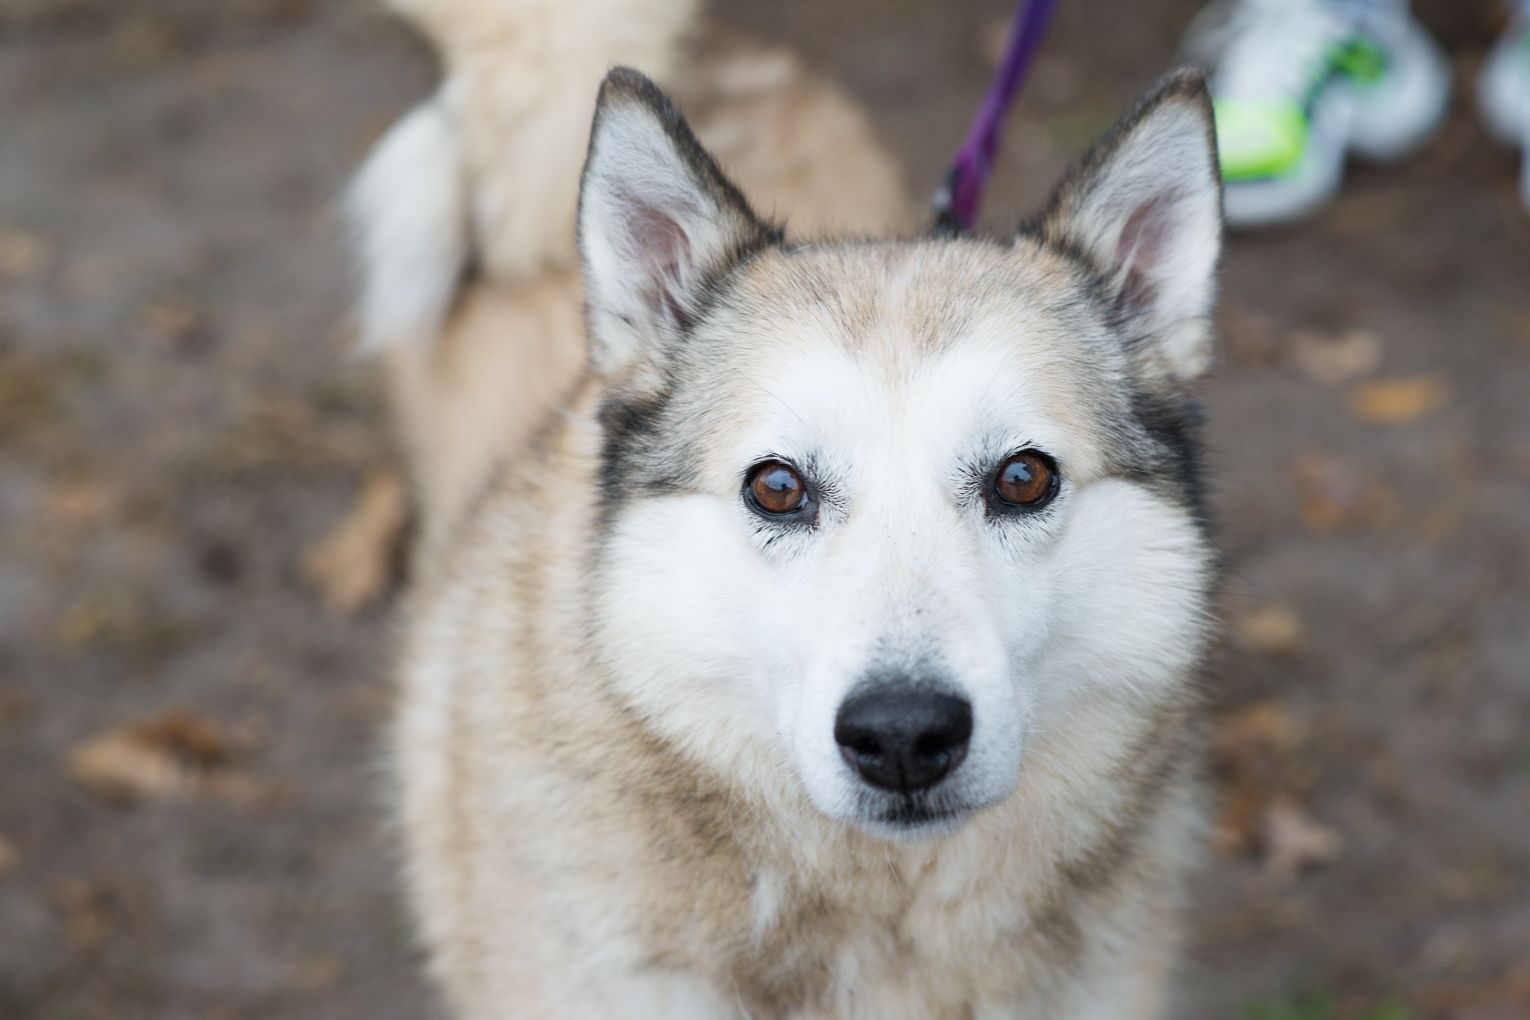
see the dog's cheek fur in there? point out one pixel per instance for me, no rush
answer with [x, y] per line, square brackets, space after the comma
[1132, 569]
[682, 622]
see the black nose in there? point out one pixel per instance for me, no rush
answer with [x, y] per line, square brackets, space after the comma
[902, 738]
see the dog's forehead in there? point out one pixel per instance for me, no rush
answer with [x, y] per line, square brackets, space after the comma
[940, 336]
[900, 300]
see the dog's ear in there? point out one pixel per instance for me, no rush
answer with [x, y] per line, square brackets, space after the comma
[1144, 207]
[659, 223]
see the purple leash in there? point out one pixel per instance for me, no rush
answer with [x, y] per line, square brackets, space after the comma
[957, 201]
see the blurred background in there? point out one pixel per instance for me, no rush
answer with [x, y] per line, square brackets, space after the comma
[193, 668]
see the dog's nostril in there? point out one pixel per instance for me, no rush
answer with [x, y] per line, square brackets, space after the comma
[862, 743]
[931, 744]
[903, 738]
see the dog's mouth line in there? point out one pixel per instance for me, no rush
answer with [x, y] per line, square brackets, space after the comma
[913, 812]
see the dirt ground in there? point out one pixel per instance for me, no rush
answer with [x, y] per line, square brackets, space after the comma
[180, 418]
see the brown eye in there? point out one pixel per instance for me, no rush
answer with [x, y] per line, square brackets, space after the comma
[776, 488]
[1027, 480]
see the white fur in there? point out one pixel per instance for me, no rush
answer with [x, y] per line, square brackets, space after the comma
[408, 220]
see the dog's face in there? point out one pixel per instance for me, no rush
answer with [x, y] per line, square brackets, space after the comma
[875, 514]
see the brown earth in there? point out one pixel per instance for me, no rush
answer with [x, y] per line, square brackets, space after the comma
[188, 792]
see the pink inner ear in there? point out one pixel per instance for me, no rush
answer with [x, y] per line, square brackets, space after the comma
[660, 241]
[663, 250]
[1140, 250]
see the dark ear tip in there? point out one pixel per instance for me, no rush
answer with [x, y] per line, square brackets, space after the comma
[1181, 84]
[1183, 81]
[630, 84]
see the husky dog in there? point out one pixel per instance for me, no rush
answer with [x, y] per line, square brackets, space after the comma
[829, 649]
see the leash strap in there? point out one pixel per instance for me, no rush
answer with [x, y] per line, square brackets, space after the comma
[961, 194]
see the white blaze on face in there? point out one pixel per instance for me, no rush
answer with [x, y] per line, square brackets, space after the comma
[906, 577]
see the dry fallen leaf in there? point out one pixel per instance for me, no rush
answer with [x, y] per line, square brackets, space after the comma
[1334, 494]
[95, 616]
[289, 433]
[1256, 733]
[1444, 522]
[28, 395]
[78, 502]
[191, 738]
[1398, 401]
[90, 909]
[145, 41]
[318, 974]
[277, 430]
[23, 255]
[1249, 336]
[353, 565]
[1252, 748]
[10, 857]
[175, 322]
[1265, 786]
[174, 753]
[1293, 841]
[242, 789]
[120, 766]
[14, 706]
[1506, 998]
[1273, 630]
[1334, 360]
[118, 619]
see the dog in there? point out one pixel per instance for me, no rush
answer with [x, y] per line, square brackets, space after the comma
[812, 628]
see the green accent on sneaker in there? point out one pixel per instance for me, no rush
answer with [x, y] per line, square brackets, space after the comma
[1360, 61]
[1259, 140]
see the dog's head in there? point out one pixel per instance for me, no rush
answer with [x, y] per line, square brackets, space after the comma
[874, 514]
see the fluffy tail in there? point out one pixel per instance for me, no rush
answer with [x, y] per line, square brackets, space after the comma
[487, 172]
[407, 210]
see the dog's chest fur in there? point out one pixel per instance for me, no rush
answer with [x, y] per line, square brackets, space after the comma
[798, 920]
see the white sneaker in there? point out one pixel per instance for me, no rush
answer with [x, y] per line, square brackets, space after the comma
[1503, 92]
[1299, 84]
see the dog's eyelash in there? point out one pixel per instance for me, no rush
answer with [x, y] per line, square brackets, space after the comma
[784, 542]
[772, 536]
[1024, 529]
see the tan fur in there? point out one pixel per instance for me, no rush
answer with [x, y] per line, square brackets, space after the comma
[563, 859]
